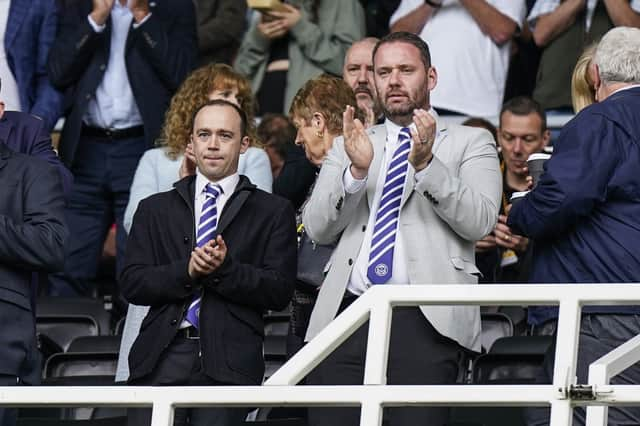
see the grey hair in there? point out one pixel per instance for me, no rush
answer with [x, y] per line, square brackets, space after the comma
[618, 56]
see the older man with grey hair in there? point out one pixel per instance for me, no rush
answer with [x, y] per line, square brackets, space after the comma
[584, 214]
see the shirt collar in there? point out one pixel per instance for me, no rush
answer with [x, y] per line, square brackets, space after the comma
[228, 184]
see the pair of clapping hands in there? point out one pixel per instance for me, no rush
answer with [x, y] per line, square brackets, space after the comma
[206, 259]
[276, 23]
[102, 10]
[359, 148]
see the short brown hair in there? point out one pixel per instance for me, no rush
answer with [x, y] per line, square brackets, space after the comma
[328, 95]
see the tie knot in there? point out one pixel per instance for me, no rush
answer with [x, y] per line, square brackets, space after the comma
[212, 190]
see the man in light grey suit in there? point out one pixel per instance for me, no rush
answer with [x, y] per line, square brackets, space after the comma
[407, 200]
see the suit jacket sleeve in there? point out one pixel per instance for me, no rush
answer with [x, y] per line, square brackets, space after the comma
[73, 48]
[41, 147]
[468, 201]
[48, 101]
[36, 242]
[142, 281]
[330, 208]
[170, 49]
[270, 285]
[575, 179]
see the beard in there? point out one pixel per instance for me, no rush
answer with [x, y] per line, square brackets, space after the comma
[402, 112]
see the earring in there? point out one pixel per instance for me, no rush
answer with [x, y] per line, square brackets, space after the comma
[320, 133]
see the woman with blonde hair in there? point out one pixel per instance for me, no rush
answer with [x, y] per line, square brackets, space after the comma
[316, 111]
[583, 92]
[160, 167]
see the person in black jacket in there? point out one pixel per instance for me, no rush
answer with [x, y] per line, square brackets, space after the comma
[32, 234]
[209, 257]
[119, 63]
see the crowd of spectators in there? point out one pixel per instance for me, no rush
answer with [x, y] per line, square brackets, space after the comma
[129, 77]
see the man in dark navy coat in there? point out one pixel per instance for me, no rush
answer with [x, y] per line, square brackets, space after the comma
[584, 214]
[119, 62]
[209, 257]
[32, 234]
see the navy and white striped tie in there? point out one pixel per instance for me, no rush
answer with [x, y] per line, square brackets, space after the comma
[206, 232]
[383, 239]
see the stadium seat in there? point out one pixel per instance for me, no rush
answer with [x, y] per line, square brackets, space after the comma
[494, 326]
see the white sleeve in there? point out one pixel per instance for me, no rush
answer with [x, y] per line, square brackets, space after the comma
[541, 7]
[635, 5]
[405, 7]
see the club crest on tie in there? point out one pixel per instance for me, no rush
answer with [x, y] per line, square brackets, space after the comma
[381, 269]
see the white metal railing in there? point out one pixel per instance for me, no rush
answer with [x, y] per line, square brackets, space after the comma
[374, 394]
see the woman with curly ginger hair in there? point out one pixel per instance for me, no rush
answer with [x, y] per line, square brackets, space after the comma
[160, 167]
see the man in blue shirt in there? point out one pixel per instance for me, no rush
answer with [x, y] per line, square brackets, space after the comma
[584, 214]
[120, 62]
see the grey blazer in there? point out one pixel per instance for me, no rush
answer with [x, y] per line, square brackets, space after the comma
[455, 204]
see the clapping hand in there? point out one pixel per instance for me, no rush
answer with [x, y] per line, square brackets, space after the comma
[357, 144]
[424, 135]
[101, 11]
[139, 9]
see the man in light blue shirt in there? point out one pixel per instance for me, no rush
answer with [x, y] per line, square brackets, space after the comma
[121, 62]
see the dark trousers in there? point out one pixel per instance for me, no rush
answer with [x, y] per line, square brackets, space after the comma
[599, 334]
[418, 355]
[103, 170]
[180, 365]
[8, 415]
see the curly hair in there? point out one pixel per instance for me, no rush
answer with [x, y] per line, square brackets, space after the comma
[326, 94]
[193, 93]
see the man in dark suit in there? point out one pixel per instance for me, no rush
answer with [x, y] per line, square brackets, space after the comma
[24, 133]
[584, 214]
[208, 284]
[119, 62]
[32, 234]
[30, 31]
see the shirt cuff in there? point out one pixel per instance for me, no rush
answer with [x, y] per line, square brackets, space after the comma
[97, 28]
[351, 184]
[137, 24]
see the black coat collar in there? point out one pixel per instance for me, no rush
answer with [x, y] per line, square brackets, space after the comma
[186, 189]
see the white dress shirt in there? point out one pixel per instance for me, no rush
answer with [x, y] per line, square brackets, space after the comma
[10, 94]
[228, 185]
[114, 106]
[359, 282]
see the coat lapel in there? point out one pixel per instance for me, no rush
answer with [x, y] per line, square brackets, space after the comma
[378, 136]
[235, 203]
[18, 10]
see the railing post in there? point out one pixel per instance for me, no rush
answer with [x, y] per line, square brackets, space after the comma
[375, 371]
[371, 413]
[561, 413]
[163, 412]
